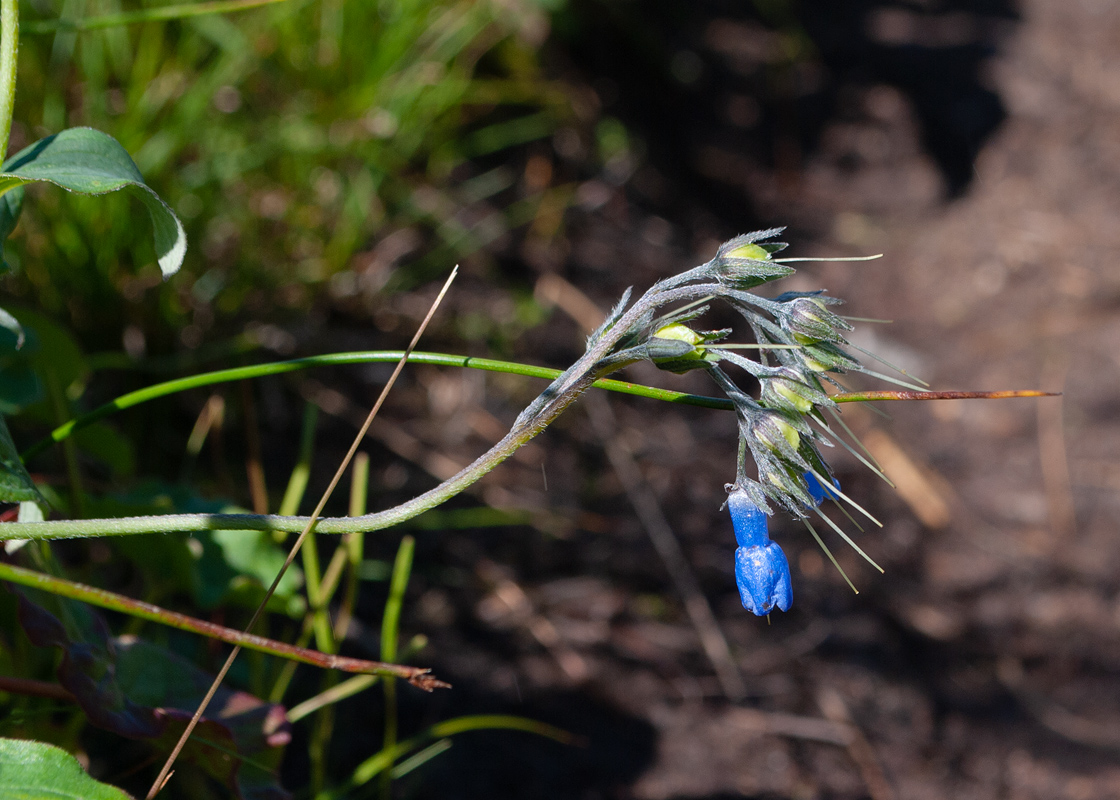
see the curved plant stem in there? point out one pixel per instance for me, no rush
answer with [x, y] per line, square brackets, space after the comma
[166, 388]
[9, 48]
[551, 403]
[600, 359]
[384, 759]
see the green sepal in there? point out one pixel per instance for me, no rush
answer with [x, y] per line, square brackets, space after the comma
[827, 357]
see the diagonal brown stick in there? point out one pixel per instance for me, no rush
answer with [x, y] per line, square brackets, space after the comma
[103, 598]
[161, 779]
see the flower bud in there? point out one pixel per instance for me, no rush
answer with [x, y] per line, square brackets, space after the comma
[761, 568]
[680, 333]
[748, 519]
[774, 432]
[792, 391]
[808, 320]
[826, 357]
[752, 251]
[742, 264]
[678, 348]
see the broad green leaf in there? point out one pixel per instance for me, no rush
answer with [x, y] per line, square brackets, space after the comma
[16, 485]
[38, 771]
[91, 162]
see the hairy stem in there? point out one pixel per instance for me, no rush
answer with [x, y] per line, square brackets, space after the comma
[586, 372]
[167, 388]
[599, 360]
[9, 48]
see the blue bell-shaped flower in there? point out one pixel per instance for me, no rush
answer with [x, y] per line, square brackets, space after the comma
[761, 568]
[763, 577]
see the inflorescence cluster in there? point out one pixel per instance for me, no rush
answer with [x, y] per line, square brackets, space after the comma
[799, 343]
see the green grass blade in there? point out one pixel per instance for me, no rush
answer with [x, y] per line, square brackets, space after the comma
[297, 482]
[384, 759]
[167, 388]
[402, 568]
[390, 626]
[424, 756]
[485, 722]
[348, 688]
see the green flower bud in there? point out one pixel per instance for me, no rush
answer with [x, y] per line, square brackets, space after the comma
[681, 333]
[789, 432]
[678, 348]
[776, 433]
[742, 264]
[826, 357]
[798, 402]
[793, 391]
[807, 319]
[752, 251]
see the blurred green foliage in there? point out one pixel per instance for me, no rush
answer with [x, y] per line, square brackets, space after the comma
[291, 139]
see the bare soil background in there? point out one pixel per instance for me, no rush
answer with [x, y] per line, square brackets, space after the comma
[979, 150]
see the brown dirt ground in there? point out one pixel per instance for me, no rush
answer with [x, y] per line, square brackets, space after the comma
[985, 663]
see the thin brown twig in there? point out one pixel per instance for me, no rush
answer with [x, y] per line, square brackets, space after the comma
[161, 779]
[34, 688]
[103, 598]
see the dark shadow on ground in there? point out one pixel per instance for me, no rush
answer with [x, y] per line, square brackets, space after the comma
[762, 81]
